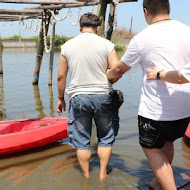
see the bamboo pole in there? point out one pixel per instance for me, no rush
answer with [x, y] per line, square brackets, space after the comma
[102, 6]
[53, 5]
[56, 1]
[39, 55]
[75, 4]
[1, 59]
[51, 57]
[35, 1]
[21, 11]
[110, 21]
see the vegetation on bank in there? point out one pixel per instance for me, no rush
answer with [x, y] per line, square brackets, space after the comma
[121, 33]
[119, 47]
[59, 40]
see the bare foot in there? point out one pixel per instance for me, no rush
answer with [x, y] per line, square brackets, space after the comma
[154, 184]
[103, 176]
[86, 175]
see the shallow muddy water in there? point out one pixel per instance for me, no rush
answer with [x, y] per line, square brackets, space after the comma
[55, 167]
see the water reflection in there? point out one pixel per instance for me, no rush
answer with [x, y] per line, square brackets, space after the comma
[37, 98]
[39, 104]
[51, 100]
[17, 167]
[2, 109]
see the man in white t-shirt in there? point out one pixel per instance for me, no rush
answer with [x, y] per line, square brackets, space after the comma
[87, 57]
[164, 109]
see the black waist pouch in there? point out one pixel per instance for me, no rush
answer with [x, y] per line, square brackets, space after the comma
[117, 99]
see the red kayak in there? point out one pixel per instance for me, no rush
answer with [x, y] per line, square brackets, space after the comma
[187, 133]
[187, 136]
[24, 134]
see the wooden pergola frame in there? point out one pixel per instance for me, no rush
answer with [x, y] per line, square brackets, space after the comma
[34, 12]
[55, 5]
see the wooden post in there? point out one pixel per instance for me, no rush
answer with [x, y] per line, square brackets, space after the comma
[39, 54]
[102, 6]
[51, 57]
[110, 21]
[1, 59]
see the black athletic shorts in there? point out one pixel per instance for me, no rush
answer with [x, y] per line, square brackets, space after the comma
[154, 134]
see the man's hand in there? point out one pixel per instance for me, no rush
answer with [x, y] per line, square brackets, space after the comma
[152, 73]
[61, 106]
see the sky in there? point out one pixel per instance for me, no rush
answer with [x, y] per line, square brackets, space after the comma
[125, 11]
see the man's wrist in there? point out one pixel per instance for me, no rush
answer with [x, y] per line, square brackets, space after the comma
[61, 98]
[158, 75]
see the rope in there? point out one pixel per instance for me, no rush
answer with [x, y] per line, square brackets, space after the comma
[52, 25]
[69, 13]
[54, 19]
[57, 19]
[71, 17]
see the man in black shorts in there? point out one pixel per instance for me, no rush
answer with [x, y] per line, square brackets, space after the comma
[154, 134]
[164, 108]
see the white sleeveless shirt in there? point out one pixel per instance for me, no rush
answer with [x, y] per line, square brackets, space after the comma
[87, 56]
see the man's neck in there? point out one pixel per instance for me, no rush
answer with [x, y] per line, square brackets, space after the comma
[160, 18]
[88, 30]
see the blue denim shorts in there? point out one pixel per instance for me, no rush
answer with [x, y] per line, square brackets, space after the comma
[82, 109]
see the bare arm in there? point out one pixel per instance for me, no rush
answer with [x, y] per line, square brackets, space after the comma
[61, 83]
[116, 68]
[170, 76]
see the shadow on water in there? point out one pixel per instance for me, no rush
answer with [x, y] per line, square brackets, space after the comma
[143, 173]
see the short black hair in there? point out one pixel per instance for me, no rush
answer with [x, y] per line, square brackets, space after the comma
[90, 20]
[156, 7]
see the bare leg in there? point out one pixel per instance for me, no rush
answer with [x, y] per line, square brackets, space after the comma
[104, 154]
[168, 151]
[160, 162]
[83, 158]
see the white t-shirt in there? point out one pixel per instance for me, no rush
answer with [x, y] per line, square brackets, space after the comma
[87, 56]
[167, 46]
[186, 71]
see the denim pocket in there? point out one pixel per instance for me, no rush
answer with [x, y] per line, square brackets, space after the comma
[70, 125]
[77, 107]
[105, 108]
